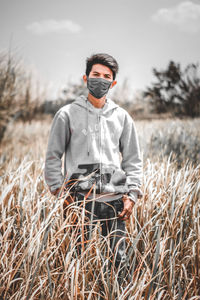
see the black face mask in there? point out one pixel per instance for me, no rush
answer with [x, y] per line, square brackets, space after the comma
[98, 87]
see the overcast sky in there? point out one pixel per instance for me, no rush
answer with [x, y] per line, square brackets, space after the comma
[54, 37]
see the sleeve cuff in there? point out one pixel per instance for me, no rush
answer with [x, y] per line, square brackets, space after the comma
[133, 196]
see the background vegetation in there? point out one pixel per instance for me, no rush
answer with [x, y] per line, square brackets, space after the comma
[176, 91]
[20, 96]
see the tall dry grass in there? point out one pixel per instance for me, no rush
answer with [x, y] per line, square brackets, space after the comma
[161, 138]
[38, 259]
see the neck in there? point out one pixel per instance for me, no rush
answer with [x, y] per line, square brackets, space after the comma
[98, 103]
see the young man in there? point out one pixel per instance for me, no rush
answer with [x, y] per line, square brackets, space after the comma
[101, 150]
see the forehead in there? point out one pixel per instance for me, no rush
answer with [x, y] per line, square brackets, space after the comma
[101, 69]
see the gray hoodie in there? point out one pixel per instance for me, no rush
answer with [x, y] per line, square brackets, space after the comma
[101, 148]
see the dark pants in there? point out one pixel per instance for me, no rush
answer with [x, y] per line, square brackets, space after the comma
[110, 224]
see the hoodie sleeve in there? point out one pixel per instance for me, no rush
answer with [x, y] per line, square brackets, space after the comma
[131, 157]
[58, 140]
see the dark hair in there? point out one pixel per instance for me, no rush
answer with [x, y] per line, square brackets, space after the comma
[103, 59]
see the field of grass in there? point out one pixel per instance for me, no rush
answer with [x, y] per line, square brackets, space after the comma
[37, 253]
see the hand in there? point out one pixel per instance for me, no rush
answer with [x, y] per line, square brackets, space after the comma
[128, 208]
[56, 192]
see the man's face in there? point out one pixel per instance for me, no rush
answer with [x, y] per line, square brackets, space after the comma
[101, 71]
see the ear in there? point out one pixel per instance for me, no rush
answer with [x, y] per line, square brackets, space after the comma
[113, 84]
[85, 78]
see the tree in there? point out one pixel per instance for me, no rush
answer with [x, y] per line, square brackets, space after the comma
[176, 91]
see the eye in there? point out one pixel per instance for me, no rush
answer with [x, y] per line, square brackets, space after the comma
[96, 74]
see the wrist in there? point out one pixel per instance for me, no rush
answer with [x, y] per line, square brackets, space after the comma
[126, 198]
